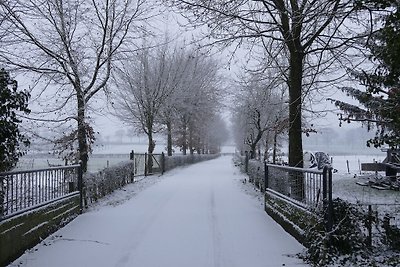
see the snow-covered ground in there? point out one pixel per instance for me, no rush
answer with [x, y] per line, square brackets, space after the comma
[103, 156]
[344, 181]
[201, 215]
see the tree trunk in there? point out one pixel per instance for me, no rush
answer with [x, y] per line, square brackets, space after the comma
[82, 134]
[150, 149]
[295, 132]
[295, 110]
[266, 156]
[253, 150]
[184, 146]
[169, 138]
[275, 147]
[191, 146]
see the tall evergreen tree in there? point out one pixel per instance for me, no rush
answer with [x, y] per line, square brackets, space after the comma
[380, 100]
[11, 101]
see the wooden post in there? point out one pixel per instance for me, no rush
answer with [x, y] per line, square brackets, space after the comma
[2, 194]
[162, 163]
[246, 162]
[369, 226]
[145, 164]
[265, 184]
[327, 198]
[265, 176]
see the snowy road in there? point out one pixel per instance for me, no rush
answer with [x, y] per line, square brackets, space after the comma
[194, 216]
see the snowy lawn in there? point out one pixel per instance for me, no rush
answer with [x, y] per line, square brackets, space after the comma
[344, 183]
[199, 215]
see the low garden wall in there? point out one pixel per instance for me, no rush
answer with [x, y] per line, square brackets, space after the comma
[27, 229]
[294, 218]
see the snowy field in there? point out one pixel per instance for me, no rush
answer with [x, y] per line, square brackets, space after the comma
[102, 156]
[344, 181]
[201, 215]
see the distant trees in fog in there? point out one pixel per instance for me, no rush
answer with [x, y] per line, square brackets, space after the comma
[260, 115]
[171, 90]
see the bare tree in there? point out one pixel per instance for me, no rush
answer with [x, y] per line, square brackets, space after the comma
[69, 47]
[197, 101]
[310, 35]
[143, 85]
[260, 112]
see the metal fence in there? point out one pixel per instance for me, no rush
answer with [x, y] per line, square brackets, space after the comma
[309, 187]
[24, 190]
[147, 164]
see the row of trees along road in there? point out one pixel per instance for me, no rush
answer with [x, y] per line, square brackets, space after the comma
[309, 42]
[260, 116]
[302, 39]
[173, 90]
[69, 48]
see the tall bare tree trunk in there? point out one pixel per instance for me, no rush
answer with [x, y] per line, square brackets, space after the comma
[191, 148]
[295, 110]
[82, 133]
[150, 149]
[295, 131]
[184, 137]
[275, 147]
[169, 138]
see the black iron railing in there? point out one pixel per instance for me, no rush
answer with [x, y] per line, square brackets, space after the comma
[310, 187]
[24, 190]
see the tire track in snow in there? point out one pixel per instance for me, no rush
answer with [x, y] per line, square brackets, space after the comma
[145, 223]
[216, 234]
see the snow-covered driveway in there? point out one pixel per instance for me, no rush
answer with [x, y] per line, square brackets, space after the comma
[194, 216]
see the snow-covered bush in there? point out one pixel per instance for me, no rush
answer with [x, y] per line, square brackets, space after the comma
[255, 169]
[255, 172]
[106, 181]
[180, 160]
[347, 240]
[391, 233]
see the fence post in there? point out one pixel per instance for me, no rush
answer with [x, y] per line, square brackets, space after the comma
[145, 164]
[162, 163]
[265, 176]
[369, 226]
[246, 162]
[2, 194]
[330, 202]
[327, 197]
[132, 157]
[80, 187]
[265, 184]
